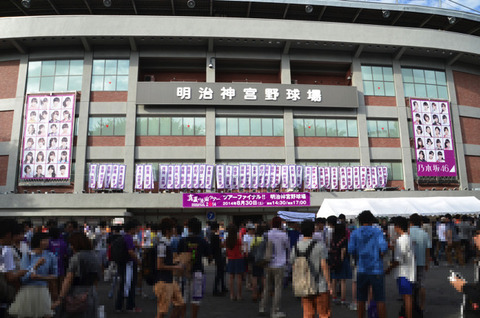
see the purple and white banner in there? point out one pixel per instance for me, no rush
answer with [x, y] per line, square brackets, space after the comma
[261, 176]
[209, 177]
[228, 176]
[121, 176]
[171, 177]
[254, 184]
[114, 177]
[308, 178]
[220, 174]
[299, 172]
[108, 175]
[235, 177]
[195, 176]
[432, 131]
[47, 137]
[183, 176]
[284, 176]
[189, 171]
[101, 176]
[277, 176]
[382, 176]
[235, 200]
[148, 177]
[314, 178]
[356, 178]
[162, 176]
[97, 176]
[334, 178]
[243, 174]
[342, 171]
[139, 176]
[248, 176]
[201, 176]
[92, 176]
[177, 182]
[350, 178]
[292, 171]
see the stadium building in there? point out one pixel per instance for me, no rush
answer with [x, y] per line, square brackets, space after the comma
[145, 108]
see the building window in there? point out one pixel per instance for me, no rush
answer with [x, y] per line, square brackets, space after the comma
[378, 81]
[383, 128]
[395, 169]
[110, 75]
[249, 127]
[329, 163]
[170, 126]
[58, 76]
[424, 83]
[106, 126]
[311, 127]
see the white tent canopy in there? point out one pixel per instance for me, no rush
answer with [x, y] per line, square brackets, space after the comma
[400, 206]
[291, 216]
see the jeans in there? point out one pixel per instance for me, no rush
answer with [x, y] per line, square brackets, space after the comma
[274, 275]
[130, 305]
[219, 275]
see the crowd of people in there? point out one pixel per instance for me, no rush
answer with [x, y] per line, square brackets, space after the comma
[56, 270]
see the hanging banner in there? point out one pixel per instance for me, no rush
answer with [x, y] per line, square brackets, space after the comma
[236, 200]
[162, 176]
[292, 183]
[139, 176]
[299, 173]
[121, 176]
[307, 178]
[342, 171]
[261, 176]
[254, 184]
[356, 178]
[108, 175]
[235, 177]
[47, 138]
[321, 178]
[183, 176]
[195, 170]
[383, 175]
[334, 178]
[177, 182]
[220, 173]
[101, 176]
[314, 178]
[209, 177]
[248, 176]
[114, 177]
[170, 177]
[243, 173]
[201, 176]
[350, 178]
[228, 176]
[363, 177]
[374, 177]
[148, 177]
[189, 177]
[277, 176]
[434, 146]
[92, 176]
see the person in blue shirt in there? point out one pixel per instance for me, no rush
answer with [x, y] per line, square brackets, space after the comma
[34, 290]
[368, 244]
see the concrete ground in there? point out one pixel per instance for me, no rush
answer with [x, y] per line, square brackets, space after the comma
[442, 300]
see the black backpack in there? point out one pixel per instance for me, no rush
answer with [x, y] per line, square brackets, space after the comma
[119, 252]
[149, 264]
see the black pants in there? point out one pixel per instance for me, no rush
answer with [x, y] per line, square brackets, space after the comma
[130, 305]
[219, 275]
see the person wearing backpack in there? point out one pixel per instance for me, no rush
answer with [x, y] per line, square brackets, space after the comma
[257, 271]
[126, 260]
[310, 278]
[278, 239]
[340, 265]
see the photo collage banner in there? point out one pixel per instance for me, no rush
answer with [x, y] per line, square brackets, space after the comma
[106, 176]
[245, 176]
[433, 138]
[48, 137]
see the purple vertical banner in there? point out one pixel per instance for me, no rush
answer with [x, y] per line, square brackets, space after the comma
[363, 177]
[314, 178]
[356, 178]
[267, 176]
[350, 178]
[328, 177]
[369, 178]
[121, 176]
[170, 177]
[147, 177]
[261, 176]
[177, 182]
[248, 176]
[228, 176]
[101, 176]
[92, 176]
[307, 177]
[220, 174]
[374, 177]
[292, 180]
[114, 183]
[162, 176]
[299, 172]
[284, 176]
[189, 171]
[342, 171]
[277, 176]
[195, 170]
[321, 177]
[183, 176]
[254, 184]
[384, 172]
[208, 177]
[108, 176]
[243, 176]
[235, 177]
[201, 176]
[334, 178]
[433, 138]
[139, 176]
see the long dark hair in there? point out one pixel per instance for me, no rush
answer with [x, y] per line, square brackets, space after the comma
[340, 232]
[232, 237]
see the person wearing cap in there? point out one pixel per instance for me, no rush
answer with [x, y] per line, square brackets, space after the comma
[471, 291]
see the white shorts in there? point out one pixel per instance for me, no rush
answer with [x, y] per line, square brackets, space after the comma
[194, 288]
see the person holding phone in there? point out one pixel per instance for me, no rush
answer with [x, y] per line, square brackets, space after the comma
[471, 304]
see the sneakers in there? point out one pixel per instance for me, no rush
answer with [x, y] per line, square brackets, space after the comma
[352, 306]
[278, 314]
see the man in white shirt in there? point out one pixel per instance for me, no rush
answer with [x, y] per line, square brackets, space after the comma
[404, 264]
[275, 270]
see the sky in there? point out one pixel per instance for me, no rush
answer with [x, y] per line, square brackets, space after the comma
[446, 4]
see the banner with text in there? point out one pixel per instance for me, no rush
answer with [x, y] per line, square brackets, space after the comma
[235, 200]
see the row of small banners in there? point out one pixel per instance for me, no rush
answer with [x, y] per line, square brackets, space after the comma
[232, 177]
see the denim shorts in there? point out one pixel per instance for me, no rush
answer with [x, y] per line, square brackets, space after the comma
[364, 281]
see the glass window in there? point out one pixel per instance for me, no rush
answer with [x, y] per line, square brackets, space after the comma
[97, 83]
[377, 73]
[61, 75]
[94, 126]
[122, 83]
[75, 83]
[122, 67]
[397, 171]
[379, 88]
[165, 126]
[221, 126]
[114, 74]
[177, 126]
[98, 67]
[368, 88]
[367, 73]
[382, 128]
[389, 89]
[109, 83]
[387, 74]
[46, 83]
[76, 67]
[432, 91]
[309, 127]
[430, 77]
[62, 68]
[48, 68]
[331, 127]
[420, 90]
[352, 128]
[341, 128]
[120, 126]
[111, 67]
[409, 89]
[298, 128]
[267, 127]
[320, 127]
[33, 84]
[407, 74]
[244, 127]
[154, 126]
[440, 77]
[424, 83]
[278, 127]
[442, 92]
[418, 76]
[188, 123]
[107, 126]
[199, 126]
[34, 68]
[61, 83]
[232, 126]
[378, 81]
[393, 129]
[255, 127]
[372, 128]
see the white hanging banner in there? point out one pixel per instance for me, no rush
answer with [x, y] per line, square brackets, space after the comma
[148, 177]
[383, 171]
[292, 183]
[308, 177]
[121, 176]
[284, 176]
[139, 177]
[189, 177]
[228, 176]
[183, 176]
[321, 178]
[342, 171]
[350, 178]
[261, 176]
[170, 177]
[356, 178]
[220, 173]
[243, 175]
[277, 176]
[201, 176]
[162, 176]
[299, 172]
[195, 176]
[108, 174]
[208, 176]
[374, 177]
[268, 176]
[114, 177]
[92, 176]
[334, 178]
[363, 178]
[248, 176]
[328, 177]
[254, 184]
[235, 177]
[177, 182]
[369, 178]
[314, 178]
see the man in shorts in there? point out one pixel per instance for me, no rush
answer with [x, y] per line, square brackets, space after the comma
[368, 244]
[166, 289]
[192, 250]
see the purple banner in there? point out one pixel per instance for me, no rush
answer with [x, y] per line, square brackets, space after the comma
[208, 177]
[114, 183]
[162, 176]
[235, 200]
[314, 177]
[47, 137]
[433, 138]
[108, 176]
[121, 176]
[92, 176]
[138, 176]
[235, 180]
[334, 178]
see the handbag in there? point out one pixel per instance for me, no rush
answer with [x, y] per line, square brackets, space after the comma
[75, 304]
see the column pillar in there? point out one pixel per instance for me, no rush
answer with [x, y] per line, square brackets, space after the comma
[363, 146]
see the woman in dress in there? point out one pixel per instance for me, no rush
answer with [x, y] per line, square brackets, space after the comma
[235, 265]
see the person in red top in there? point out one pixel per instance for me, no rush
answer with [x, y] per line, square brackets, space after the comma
[235, 265]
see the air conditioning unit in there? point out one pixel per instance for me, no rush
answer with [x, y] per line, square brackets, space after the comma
[149, 78]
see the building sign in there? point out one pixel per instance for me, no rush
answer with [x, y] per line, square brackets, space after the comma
[433, 138]
[246, 94]
[47, 137]
[235, 200]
